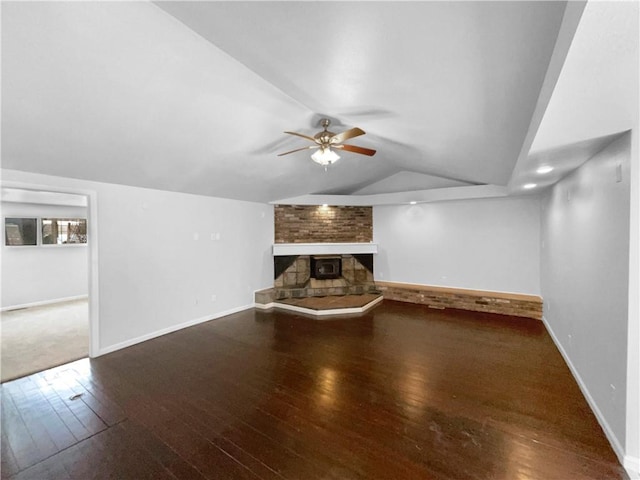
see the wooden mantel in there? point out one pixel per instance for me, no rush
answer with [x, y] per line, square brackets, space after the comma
[323, 248]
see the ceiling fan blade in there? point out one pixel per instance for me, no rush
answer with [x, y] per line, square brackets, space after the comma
[307, 137]
[354, 149]
[351, 133]
[299, 150]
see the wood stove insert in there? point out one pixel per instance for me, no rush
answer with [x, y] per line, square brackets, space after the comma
[326, 268]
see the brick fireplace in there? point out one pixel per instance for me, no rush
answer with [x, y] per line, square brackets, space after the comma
[298, 279]
[321, 251]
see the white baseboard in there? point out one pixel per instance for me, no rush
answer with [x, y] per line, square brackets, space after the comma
[632, 466]
[264, 306]
[42, 303]
[171, 329]
[613, 440]
[319, 313]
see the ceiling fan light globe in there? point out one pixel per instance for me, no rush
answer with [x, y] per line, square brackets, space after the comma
[325, 156]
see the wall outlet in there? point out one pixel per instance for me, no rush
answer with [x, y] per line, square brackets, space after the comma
[195, 301]
[214, 297]
[196, 236]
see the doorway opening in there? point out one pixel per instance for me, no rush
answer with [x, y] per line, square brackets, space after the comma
[49, 273]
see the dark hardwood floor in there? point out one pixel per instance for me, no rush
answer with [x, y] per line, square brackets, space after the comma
[401, 392]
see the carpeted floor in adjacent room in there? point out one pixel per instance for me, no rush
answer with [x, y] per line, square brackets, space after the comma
[37, 338]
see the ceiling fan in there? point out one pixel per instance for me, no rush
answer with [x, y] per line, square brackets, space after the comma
[327, 142]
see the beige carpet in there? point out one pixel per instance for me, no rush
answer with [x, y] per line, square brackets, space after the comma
[34, 339]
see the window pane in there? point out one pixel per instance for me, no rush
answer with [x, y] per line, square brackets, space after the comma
[20, 231]
[58, 231]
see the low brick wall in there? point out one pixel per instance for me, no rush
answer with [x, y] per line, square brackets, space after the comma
[518, 305]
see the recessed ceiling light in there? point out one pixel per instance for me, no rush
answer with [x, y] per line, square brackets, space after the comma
[544, 169]
[325, 205]
[529, 186]
[413, 203]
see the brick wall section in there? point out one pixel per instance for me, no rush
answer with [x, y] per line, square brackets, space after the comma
[317, 224]
[518, 305]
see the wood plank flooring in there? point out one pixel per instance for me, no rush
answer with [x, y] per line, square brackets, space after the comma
[401, 392]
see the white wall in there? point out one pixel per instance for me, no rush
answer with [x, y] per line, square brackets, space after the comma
[585, 279]
[632, 453]
[41, 273]
[154, 275]
[488, 244]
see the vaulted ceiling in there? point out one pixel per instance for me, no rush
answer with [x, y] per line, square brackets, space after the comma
[195, 96]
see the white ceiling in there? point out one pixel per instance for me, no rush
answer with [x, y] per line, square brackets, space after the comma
[194, 96]
[595, 93]
[408, 181]
[595, 98]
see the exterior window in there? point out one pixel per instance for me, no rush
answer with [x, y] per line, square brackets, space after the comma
[58, 231]
[20, 231]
